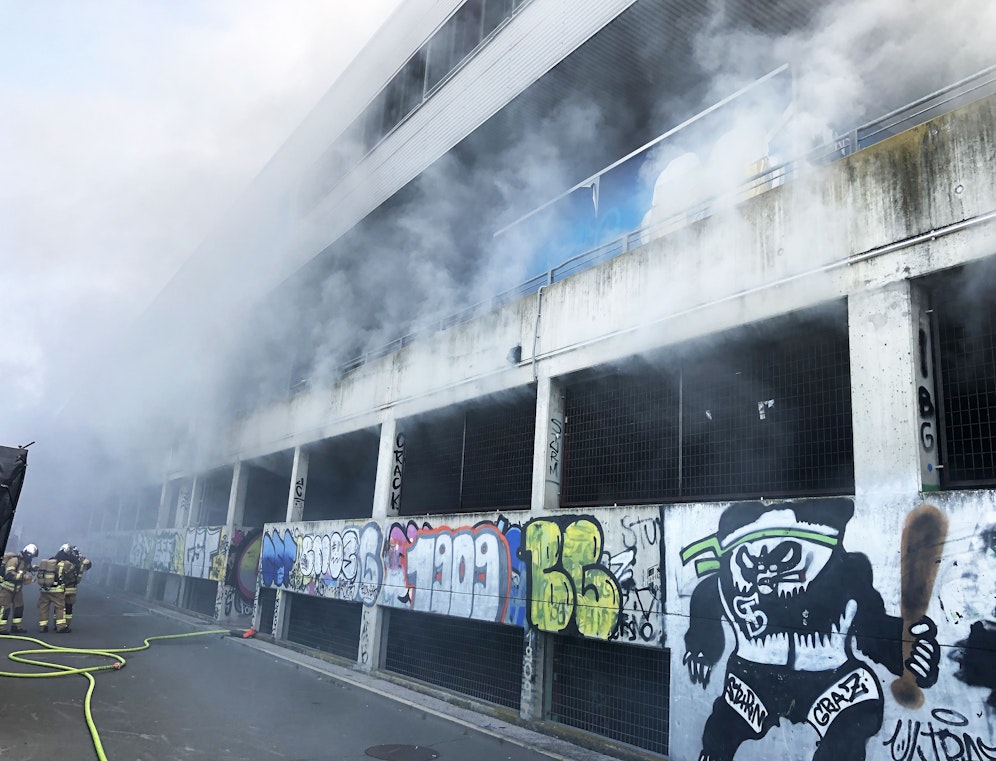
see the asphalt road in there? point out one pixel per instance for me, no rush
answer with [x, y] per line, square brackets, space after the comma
[219, 698]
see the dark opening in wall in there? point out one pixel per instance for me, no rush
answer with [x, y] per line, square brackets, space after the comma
[616, 691]
[159, 586]
[762, 411]
[201, 595]
[147, 507]
[470, 459]
[475, 658]
[214, 490]
[267, 606]
[964, 309]
[267, 489]
[332, 626]
[342, 473]
[137, 581]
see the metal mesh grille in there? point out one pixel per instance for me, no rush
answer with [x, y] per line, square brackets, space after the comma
[967, 358]
[616, 691]
[775, 423]
[498, 457]
[475, 658]
[332, 626]
[341, 476]
[623, 436]
[472, 460]
[758, 418]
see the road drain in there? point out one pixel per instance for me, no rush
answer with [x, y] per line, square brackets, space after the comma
[402, 752]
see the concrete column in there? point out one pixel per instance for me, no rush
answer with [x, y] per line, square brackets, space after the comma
[548, 445]
[224, 608]
[547, 474]
[295, 512]
[390, 470]
[186, 521]
[386, 504]
[161, 515]
[882, 330]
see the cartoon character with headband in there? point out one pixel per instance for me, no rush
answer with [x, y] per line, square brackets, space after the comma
[798, 604]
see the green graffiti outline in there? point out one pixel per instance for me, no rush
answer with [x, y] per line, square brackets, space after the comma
[710, 544]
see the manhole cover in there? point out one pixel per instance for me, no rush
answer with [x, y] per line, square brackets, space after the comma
[402, 752]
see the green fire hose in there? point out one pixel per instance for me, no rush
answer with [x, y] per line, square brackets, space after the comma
[58, 669]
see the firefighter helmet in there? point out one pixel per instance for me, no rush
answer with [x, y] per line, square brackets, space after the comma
[30, 550]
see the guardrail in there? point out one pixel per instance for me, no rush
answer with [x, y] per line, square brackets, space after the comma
[972, 88]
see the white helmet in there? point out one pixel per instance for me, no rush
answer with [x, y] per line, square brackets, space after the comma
[31, 550]
[65, 548]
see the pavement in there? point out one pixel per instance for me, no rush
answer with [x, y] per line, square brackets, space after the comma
[222, 698]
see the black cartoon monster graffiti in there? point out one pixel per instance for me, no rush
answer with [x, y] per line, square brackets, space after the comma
[798, 604]
[976, 654]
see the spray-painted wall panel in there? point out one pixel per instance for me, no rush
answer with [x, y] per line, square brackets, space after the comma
[787, 624]
[786, 620]
[336, 559]
[595, 575]
[201, 552]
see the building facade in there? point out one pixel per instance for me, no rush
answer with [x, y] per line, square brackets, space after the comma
[725, 474]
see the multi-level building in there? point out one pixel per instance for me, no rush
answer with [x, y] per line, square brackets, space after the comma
[723, 470]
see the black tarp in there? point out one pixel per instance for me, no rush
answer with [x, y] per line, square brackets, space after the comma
[13, 462]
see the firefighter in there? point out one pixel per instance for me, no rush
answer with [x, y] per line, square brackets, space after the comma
[82, 565]
[14, 574]
[52, 577]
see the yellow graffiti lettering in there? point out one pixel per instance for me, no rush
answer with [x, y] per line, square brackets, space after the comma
[551, 602]
[598, 598]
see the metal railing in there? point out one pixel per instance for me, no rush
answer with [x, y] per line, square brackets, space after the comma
[975, 87]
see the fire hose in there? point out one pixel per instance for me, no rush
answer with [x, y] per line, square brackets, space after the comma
[114, 655]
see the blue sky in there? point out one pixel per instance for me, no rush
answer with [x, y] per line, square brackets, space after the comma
[126, 129]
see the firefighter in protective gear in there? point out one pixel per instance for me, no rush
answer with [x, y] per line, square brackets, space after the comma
[82, 565]
[52, 576]
[14, 574]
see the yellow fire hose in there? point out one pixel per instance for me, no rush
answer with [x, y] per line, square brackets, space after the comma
[62, 670]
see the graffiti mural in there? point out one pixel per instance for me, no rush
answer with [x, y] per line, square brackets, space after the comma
[238, 594]
[642, 592]
[968, 598]
[397, 472]
[945, 737]
[278, 556]
[570, 589]
[205, 553]
[807, 620]
[142, 548]
[168, 553]
[327, 559]
[468, 571]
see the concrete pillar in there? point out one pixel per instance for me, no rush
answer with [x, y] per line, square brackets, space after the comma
[547, 483]
[883, 333]
[548, 445]
[161, 515]
[223, 608]
[386, 504]
[186, 520]
[295, 512]
[390, 470]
